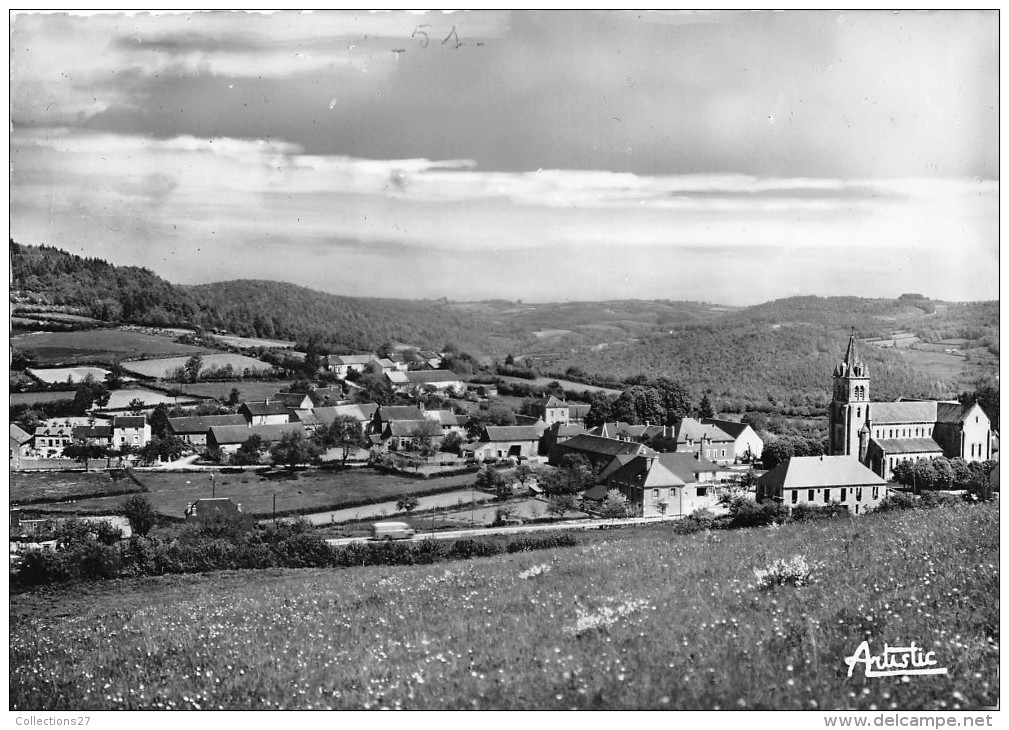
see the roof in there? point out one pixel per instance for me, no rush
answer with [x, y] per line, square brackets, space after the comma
[597, 493]
[579, 410]
[53, 431]
[292, 400]
[239, 434]
[852, 365]
[325, 396]
[407, 428]
[420, 377]
[953, 412]
[566, 430]
[397, 378]
[550, 402]
[92, 432]
[19, 434]
[902, 412]
[615, 463]
[129, 421]
[908, 446]
[617, 429]
[603, 446]
[351, 359]
[210, 507]
[400, 413]
[203, 424]
[306, 416]
[386, 362]
[359, 411]
[735, 429]
[446, 418]
[265, 408]
[512, 433]
[694, 430]
[645, 471]
[687, 466]
[802, 472]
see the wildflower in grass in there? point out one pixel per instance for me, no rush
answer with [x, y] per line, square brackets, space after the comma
[797, 572]
[534, 571]
[603, 617]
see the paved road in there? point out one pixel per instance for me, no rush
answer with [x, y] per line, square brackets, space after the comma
[518, 529]
[388, 509]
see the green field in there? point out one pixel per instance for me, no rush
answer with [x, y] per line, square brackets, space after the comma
[247, 389]
[97, 346]
[651, 620]
[314, 490]
[58, 485]
[164, 367]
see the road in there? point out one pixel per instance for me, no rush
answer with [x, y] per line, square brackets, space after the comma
[518, 529]
[388, 509]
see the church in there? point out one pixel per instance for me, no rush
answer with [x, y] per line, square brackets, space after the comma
[881, 435]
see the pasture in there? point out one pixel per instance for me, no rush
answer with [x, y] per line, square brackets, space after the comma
[314, 490]
[59, 485]
[250, 342]
[43, 396]
[588, 627]
[97, 346]
[121, 398]
[64, 375]
[247, 389]
[163, 367]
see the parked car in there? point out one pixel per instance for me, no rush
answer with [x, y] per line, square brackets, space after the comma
[391, 531]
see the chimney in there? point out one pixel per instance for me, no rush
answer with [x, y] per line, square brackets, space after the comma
[697, 455]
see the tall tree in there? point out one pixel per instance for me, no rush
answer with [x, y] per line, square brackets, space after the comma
[343, 433]
[704, 410]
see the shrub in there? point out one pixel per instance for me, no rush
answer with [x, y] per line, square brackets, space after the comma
[811, 512]
[466, 549]
[746, 513]
[304, 550]
[524, 544]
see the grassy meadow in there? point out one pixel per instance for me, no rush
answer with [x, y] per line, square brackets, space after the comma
[319, 490]
[645, 620]
[93, 346]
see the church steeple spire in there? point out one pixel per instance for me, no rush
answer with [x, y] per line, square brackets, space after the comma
[851, 366]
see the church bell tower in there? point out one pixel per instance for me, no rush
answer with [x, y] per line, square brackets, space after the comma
[849, 408]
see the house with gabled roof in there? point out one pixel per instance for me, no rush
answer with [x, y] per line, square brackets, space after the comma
[19, 444]
[663, 485]
[194, 429]
[96, 433]
[551, 409]
[265, 412]
[134, 431]
[822, 480]
[442, 380]
[747, 444]
[384, 414]
[709, 440]
[50, 440]
[363, 413]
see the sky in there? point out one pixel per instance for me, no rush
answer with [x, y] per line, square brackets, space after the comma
[731, 157]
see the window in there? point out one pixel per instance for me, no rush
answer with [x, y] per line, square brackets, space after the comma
[844, 494]
[826, 495]
[858, 413]
[811, 496]
[655, 494]
[916, 432]
[891, 433]
[702, 491]
[875, 492]
[858, 494]
[795, 496]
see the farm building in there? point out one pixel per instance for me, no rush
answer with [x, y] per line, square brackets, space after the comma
[50, 440]
[343, 364]
[98, 434]
[819, 480]
[194, 429]
[597, 450]
[324, 397]
[498, 442]
[420, 379]
[228, 438]
[363, 413]
[294, 400]
[709, 440]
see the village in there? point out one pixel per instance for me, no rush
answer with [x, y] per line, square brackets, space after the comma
[543, 462]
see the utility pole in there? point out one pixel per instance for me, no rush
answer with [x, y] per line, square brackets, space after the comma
[213, 485]
[274, 509]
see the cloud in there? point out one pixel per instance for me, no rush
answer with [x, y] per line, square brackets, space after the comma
[220, 208]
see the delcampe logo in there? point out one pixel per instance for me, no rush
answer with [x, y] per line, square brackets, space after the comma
[895, 661]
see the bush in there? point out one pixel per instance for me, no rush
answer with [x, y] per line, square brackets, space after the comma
[525, 544]
[811, 512]
[466, 549]
[304, 550]
[746, 513]
[797, 572]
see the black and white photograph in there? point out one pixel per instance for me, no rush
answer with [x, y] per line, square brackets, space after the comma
[504, 360]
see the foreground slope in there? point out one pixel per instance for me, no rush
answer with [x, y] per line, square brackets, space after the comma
[636, 619]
